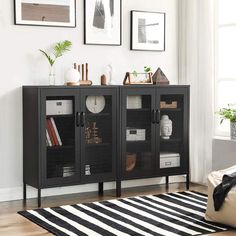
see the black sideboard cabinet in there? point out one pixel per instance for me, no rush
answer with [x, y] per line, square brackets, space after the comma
[96, 134]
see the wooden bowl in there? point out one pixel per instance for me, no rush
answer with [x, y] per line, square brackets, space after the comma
[130, 161]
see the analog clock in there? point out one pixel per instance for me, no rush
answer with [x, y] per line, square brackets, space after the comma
[95, 104]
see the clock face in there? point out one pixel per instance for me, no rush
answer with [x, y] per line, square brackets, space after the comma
[95, 104]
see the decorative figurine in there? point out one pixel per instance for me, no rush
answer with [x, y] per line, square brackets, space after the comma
[103, 80]
[91, 134]
[160, 78]
[86, 81]
[165, 127]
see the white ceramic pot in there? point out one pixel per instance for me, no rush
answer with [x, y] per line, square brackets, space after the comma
[165, 127]
[72, 76]
[233, 130]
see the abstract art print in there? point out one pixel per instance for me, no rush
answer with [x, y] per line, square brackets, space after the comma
[147, 31]
[102, 22]
[45, 12]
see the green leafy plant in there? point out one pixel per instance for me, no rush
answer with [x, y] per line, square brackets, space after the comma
[58, 50]
[228, 113]
[147, 69]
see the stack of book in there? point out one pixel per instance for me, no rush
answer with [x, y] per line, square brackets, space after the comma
[52, 135]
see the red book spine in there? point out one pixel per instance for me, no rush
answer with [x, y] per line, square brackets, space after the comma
[53, 132]
[49, 133]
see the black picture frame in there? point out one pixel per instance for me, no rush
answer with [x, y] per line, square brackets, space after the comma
[143, 44]
[19, 21]
[93, 39]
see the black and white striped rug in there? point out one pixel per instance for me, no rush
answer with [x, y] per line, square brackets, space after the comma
[169, 214]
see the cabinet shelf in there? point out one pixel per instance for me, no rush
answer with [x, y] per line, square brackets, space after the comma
[171, 140]
[138, 142]
[60, 116]
[97, 145]
[139, 110]
[60, 147]
[171, 109]
[98, 114]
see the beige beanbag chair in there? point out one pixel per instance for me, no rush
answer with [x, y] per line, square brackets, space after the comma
[227, 213]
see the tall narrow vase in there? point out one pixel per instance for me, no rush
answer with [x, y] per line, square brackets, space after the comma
[233, 130]
[52, 76]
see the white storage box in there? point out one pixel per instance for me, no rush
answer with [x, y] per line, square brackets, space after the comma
[134, 102]
[169, 160]
[59, 107]
[135, 134]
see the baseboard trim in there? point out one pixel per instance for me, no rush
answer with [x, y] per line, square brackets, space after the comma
[16, 193]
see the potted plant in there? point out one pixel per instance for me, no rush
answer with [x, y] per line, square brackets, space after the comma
[229, 113]
[58, 50]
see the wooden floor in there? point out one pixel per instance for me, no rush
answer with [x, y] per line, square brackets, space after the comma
[13, 224]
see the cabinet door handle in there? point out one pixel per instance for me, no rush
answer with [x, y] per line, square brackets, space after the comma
[77, 118]
[153, 115]
[158, 118]
[82, 119]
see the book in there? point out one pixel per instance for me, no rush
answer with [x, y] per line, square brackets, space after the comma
[54, 137]
[49, 143]
[50, 133]
[56, 131]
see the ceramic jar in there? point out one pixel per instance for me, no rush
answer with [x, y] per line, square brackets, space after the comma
[165, 127]
[72, 76]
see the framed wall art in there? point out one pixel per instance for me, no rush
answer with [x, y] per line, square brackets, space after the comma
[45, 12]
[147, 31]
[102, 19]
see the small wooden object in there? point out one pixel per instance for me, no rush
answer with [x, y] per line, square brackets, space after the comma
[85, 82]
[130, 161]
[130, 78]
[103, 80]
[160, 78]
[72, 84]
[170, 105]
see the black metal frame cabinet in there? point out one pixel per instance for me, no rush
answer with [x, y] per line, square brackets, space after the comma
[77, 159]
[106, 133]
[141, 144]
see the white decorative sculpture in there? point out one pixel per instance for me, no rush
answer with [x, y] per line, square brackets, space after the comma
[165, 127]
[109, 74]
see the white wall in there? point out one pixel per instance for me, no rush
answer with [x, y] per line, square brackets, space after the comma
[223, 153]
[22, 64]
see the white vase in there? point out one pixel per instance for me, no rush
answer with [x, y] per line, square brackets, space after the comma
[233, 130]
[165, 127]
[52, 76]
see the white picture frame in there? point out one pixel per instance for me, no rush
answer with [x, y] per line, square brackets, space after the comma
[101, 30]
[45, 13]
[147, 31]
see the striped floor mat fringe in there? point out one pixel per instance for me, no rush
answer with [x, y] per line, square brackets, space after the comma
[169, 214]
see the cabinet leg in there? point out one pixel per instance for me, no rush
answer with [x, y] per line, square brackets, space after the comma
[39, 197]
[187, 181]
[100, 189]
[167, 182]
[118, 188]
[24, 192]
